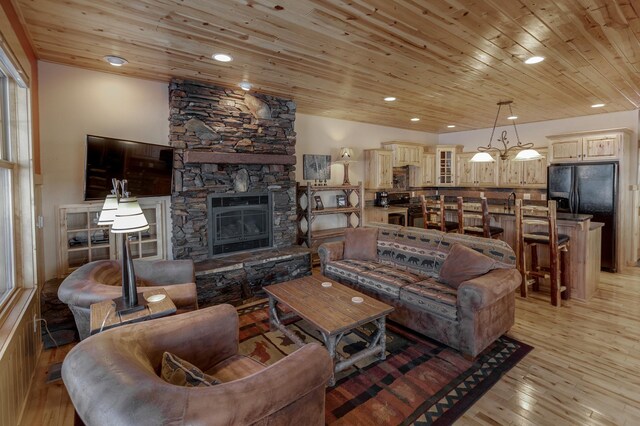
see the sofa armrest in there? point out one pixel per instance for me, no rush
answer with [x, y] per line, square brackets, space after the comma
[184, 296]
[164, 272]
[330, 252]
[482, 291]
[303, 373]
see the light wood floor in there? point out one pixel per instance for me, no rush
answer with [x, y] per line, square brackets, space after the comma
[584, 370]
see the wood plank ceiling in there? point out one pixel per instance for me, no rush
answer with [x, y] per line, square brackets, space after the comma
[446, 61]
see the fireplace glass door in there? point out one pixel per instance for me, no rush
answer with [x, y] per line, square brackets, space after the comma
[239, 223]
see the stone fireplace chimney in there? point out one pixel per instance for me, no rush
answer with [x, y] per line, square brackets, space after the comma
[229, 142]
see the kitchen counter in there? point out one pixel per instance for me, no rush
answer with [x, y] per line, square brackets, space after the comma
[500, 210]
[381, 214]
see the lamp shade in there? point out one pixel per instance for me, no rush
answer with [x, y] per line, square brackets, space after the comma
[482, 157]
[527, 155]
[129, 217]
[108, 212]
[346, 154]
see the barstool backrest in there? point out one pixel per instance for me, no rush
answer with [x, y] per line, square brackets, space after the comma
[474, 212]
[433, 212]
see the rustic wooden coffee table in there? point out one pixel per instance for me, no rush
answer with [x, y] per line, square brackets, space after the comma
[332, 312]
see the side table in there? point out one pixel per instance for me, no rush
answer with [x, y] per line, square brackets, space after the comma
[104, 316]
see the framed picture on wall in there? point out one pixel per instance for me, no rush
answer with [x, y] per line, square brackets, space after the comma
[319, 205]
[341, 201]
[316, 167]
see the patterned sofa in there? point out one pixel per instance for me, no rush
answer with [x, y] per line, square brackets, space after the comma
[406, 274]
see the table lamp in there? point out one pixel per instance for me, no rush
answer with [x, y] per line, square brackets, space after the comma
[124, 215]
[346, 154]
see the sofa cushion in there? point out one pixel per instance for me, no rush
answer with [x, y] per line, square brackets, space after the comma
[182, 373]
[432, 296]
[361, 244]
[463, 264]
[387, 279]
[350, 268]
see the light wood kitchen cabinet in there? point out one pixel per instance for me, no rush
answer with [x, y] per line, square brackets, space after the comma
[446, 164]
[378, 172]
[425, 174]
[531, 174]
[475, 174]
[404, 154]
[586, 148]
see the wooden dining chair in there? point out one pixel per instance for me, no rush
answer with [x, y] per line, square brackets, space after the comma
[473, 219]
[433, 214]
[537, 226]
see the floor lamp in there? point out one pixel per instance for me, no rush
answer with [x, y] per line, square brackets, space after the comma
[125, 215]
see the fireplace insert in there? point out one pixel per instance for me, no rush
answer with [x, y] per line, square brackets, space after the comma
[239, 222]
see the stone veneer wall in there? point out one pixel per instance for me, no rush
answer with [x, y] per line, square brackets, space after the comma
[213, 120]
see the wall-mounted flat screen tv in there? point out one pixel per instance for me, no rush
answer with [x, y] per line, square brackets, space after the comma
[148, 168]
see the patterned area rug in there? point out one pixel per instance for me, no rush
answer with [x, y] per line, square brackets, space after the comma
[421, 382]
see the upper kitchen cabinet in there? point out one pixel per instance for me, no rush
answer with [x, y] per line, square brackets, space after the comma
[425, 174]
[378, 173]
[446, 164]
[405, 153]
[601, 146]
[531, 174]
[475, 174]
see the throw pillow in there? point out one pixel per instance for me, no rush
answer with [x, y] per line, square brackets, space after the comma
[361, 244]
[464, 263]
[182, 373]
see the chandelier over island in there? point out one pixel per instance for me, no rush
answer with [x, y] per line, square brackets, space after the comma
[525, 151]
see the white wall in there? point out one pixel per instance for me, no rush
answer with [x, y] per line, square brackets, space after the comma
[76, 102]
[320, 135]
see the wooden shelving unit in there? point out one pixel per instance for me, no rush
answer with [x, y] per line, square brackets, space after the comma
[307, 213]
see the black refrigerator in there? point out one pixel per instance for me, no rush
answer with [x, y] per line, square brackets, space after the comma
[590, 188]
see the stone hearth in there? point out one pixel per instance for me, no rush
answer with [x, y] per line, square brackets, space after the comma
[240, 277]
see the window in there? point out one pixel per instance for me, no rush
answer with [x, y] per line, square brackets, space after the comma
[7, 167]
[17, 224]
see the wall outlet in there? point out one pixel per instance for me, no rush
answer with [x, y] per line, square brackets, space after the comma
[526, 196]
[481, 194]
[543, 197]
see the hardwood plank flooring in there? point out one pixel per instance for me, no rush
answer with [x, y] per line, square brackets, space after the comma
[585, 368]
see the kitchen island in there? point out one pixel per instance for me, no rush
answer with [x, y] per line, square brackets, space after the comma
[584, 245]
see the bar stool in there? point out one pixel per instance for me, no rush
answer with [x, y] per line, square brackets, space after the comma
[433, 214]
[476, 212]
[558, 271]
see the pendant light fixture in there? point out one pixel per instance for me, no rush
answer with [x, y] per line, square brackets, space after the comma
[526, 151]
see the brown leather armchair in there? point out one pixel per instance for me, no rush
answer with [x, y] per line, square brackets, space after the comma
[113, 377]
[101, 280]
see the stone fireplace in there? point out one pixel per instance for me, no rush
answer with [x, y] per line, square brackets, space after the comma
[234, 189]
[229, 142]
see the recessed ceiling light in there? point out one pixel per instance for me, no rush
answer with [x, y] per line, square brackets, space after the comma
[116, 61]
[451, 126]
[534, 60]
[245, 85]
[222, 57]
[597, 105]
[415, 119]
[389, 99]
[512, 117]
